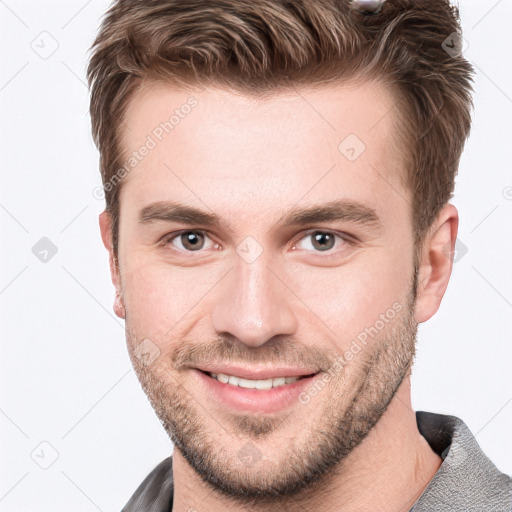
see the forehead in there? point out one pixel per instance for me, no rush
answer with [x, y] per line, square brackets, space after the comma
[249, 156]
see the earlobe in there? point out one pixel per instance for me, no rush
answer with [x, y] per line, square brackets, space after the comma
[436, 262]
[119, 308]
[105, 222]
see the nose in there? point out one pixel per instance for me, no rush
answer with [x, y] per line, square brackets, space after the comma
[253, 304]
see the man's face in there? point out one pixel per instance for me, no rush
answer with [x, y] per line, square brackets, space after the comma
[263, 295]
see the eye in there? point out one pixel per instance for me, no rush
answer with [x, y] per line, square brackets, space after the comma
[188, 241]
[196, 240]
[323, 241]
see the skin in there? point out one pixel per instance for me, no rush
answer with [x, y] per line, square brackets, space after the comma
[251, 161]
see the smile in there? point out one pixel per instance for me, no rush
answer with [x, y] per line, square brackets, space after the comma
[266, 394]
[255, 383]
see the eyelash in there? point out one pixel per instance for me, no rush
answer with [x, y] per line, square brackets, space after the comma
[168, 239]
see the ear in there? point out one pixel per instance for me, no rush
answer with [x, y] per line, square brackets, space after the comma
[105, 221]
[436, 262]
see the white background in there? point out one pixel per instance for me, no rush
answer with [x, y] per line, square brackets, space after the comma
[66, 378]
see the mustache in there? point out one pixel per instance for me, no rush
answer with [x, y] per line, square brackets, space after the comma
[280, 350]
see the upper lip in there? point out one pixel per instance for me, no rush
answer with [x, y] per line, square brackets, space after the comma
[256, 372]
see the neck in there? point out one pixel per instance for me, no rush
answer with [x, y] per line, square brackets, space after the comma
[388, 470]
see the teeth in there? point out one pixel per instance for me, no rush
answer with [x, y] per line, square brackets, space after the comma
[279, 381]
[253, 384]
[234, 381]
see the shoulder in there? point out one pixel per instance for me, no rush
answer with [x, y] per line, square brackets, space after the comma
[467, 479]
[155, 492]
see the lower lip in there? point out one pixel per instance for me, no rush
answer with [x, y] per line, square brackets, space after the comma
[255, 400]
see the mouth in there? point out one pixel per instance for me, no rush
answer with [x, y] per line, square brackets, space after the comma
[261, 384]
[254, 390]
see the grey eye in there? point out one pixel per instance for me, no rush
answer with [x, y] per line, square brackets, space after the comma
[192, 240]
[367, 6]
[323, 240]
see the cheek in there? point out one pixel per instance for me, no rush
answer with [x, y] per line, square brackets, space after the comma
[349, 299]
[159, 297]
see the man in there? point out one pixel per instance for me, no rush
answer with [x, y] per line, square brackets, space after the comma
[277, 177]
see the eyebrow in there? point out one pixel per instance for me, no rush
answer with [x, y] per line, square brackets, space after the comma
[339, 210]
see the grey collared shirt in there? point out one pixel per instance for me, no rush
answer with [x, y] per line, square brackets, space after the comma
[467, 481]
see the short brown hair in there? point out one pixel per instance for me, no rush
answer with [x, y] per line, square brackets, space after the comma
[263, 46]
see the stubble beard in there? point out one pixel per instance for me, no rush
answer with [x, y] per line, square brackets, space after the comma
[303, 461]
